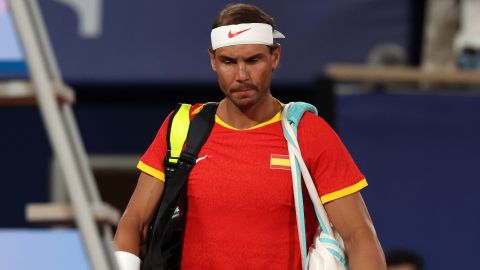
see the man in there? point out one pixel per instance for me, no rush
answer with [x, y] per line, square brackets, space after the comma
[241, 213]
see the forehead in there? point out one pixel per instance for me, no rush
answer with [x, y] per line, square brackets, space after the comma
[244, 50]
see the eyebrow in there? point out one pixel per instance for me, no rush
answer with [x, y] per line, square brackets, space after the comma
[224, 57]
[258, 55]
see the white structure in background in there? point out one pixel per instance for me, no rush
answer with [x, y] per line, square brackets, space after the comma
[440, 28]
[452, 35]
[469, 34]
[467, 42]
[89, 14]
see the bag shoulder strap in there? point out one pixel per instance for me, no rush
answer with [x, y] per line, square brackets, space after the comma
[178, 167]
[200, 129]
[185, 137]
[177, 131]
[198, 132]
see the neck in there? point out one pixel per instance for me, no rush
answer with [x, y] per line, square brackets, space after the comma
[247, 117]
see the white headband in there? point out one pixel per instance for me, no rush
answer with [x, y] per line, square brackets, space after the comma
[245, 33]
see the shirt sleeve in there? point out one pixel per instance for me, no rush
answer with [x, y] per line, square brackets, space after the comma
[330, 164]
[152, 160]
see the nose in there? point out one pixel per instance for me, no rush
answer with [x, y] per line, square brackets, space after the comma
[242, 73]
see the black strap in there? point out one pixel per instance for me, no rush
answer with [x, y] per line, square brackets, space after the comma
[198, 134]
[175, 183]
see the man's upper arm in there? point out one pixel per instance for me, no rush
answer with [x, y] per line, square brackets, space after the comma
[132, 230]
[350, 217]
[144, 201]
[349, 214]
[146, 197]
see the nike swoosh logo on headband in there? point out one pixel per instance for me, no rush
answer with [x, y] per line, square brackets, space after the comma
[232, 35]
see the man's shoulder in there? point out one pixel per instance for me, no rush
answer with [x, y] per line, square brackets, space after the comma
[314, 127]
[311, 120]
[196, 108]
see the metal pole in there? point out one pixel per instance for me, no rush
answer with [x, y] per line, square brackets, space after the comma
[81, 154]
[58, 136]
[42, 37]
[79, 148]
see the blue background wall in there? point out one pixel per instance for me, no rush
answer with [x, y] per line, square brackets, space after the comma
[167, 41]
[420, 154]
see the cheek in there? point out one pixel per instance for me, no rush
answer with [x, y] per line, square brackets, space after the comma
[263, 76]
[225, 77]
[224, 71]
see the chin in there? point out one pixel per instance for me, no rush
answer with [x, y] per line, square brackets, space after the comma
[243, 102]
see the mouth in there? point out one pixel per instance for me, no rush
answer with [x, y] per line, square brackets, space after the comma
[243, 93]
[243, 90]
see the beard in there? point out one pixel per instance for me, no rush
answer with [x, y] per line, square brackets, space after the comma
[243, 86]
[245, 96]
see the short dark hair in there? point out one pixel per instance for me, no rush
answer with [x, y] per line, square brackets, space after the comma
[242, 13]
[399, 257]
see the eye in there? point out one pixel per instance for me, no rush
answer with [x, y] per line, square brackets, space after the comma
[252, 60]
[227, 60]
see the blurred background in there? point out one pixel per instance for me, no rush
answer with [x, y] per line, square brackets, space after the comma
[130, 62]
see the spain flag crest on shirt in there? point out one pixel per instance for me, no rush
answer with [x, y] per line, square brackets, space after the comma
[279, 162]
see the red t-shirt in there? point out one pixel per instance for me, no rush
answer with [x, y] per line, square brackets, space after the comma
[241, 213]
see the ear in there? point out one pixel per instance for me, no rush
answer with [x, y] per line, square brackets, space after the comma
[211, 53]
[276, 53]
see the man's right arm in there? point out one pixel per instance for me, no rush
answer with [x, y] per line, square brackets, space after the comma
[132, 230]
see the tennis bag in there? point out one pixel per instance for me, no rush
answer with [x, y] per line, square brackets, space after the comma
[165, 239]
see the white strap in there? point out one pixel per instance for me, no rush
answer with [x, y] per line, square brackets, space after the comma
[298, 199]
[327, 238]
[312, 191]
